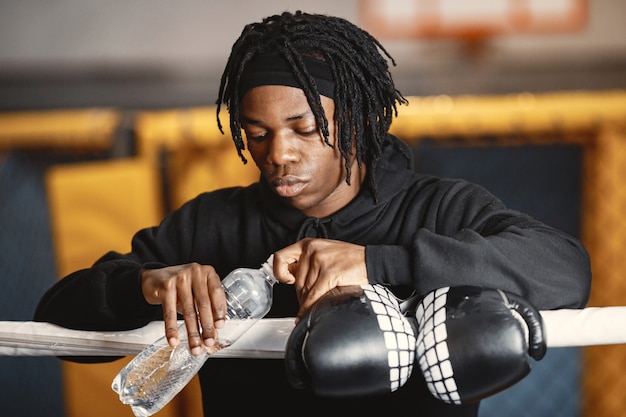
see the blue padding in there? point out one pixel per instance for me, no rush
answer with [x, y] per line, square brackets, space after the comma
[545, 182]
[29, 386]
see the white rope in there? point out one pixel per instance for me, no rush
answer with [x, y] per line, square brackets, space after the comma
[591, 326]
[266, 339]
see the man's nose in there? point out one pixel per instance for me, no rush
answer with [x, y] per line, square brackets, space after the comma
[282, 149]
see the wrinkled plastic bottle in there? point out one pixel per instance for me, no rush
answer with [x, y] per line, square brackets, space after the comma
[160, 371]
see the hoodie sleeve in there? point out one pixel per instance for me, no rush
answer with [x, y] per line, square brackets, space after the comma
[462, 235]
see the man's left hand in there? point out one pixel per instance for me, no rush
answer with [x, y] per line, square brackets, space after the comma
[316, 266]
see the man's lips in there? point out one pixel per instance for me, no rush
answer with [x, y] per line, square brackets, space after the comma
[288, 186]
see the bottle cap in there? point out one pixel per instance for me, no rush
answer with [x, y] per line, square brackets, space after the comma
[268, 268]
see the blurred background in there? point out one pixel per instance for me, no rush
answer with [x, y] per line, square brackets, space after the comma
[107, 123]
[150, 53]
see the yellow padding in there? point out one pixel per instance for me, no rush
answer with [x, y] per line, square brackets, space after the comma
[65, 129]
[200, 157]
[176, 128]
[96, 207]
[508, 114]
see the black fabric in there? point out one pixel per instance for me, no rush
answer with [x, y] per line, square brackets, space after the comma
[241, 378]
[272, 69]
[425, 233]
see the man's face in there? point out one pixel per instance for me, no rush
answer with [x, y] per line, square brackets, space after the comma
[287, 146]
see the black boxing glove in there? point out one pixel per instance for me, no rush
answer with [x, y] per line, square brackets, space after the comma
[473, 342]
[354, 341]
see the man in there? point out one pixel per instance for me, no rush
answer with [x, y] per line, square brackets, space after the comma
[338, 203]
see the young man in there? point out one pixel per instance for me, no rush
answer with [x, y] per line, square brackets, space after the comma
[338, 203]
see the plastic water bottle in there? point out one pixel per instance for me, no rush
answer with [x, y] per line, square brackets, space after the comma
[160, 371]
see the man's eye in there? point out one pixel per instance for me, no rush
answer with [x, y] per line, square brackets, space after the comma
[308, 132]
[255, 138]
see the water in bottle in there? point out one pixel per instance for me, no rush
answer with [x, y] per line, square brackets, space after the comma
[160, 371]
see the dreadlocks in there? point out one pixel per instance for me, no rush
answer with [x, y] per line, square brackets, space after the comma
[364, 93]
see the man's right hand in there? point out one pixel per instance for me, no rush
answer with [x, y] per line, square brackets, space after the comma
[193, 290]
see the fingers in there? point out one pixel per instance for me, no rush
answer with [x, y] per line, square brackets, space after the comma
[187, 302]
[218, 302]
[316, 266]
[194, 291]
[316, 283]
[170, 317]
[210, 304]
[285, 264]
[311, 281]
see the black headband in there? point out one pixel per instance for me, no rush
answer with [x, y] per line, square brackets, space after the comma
[272, 69]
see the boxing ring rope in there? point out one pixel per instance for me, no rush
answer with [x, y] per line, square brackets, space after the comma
[592, 326]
